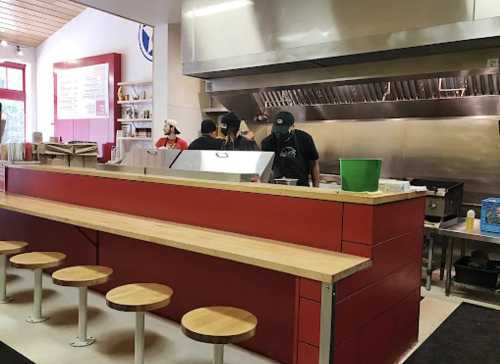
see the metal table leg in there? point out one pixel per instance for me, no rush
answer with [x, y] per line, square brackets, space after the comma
[218, 354]
[37, 317]
[430, 255]
[327, 329]
[449, 263]
[3, 279]
[139, 338]
[82, 339]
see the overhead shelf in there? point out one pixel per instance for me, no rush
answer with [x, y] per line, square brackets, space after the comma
[134, 138]
[135, 83]
[125, 121]
[129, 102]
[215, 110]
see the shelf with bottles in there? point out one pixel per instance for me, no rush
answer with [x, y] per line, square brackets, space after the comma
[136, 83]
[138, 120]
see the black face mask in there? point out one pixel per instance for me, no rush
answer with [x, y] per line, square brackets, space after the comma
[281, 135]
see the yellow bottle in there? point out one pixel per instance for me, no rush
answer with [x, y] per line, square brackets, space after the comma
[469, 221]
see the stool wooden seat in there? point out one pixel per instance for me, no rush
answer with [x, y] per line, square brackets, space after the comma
[7, 248]
[139, 298]
[219, 326]
[82, 277]
[37, 261]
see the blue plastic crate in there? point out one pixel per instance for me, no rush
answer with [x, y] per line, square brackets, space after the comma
[490, 215]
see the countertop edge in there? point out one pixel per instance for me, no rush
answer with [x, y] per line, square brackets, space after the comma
[317, 275]
[246, 187]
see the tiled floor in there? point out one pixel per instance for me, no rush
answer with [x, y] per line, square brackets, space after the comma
[47, 343]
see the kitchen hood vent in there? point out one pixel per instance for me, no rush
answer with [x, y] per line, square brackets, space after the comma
[466, 93]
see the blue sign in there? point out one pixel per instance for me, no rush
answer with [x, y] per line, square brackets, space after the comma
[146, 41]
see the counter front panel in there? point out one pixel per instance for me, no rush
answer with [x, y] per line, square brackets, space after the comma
[382, 301]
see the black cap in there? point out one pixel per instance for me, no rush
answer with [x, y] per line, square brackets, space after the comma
[231, 120]
[208, 126]
[284, 118]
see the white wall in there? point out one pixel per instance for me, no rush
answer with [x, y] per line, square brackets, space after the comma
[183, 92]
[9, 54]
[91, 33]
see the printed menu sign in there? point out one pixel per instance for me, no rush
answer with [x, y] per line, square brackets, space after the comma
[82, 93]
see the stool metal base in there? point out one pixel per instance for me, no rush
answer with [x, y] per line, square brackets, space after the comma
[82, 343]
[218, 354]
[82, 340]
[37, 317]
[36, 320]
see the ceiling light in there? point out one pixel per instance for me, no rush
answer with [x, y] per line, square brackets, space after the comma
[4, 43]
[19, 51]
[218, 8]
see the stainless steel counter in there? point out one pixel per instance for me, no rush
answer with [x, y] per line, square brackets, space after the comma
[459, 231]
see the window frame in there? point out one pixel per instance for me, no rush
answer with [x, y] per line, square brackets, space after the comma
[15, 95]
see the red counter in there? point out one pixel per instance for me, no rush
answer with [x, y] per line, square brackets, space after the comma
[376, 311]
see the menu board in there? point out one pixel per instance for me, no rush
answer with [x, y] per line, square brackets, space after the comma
[82, 93]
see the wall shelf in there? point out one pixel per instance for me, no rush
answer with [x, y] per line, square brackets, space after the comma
[215, 110]
[131, 102]
[134, 138]
[135, 83]
[128, 121]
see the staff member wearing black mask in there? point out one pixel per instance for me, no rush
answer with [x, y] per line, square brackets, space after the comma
[296, 153]
[208, 139]
[234, 140]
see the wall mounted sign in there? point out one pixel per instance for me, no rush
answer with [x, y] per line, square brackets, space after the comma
[83, 92]
[146, 41]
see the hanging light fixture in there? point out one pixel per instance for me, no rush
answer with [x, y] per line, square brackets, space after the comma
[19, 51]
[4, 43]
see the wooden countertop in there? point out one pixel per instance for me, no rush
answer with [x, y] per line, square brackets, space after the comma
[375, 198]
[311, 263]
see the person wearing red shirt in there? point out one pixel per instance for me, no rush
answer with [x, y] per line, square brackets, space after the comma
[171, 140]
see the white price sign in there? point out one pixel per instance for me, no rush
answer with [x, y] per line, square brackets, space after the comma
[83, 93]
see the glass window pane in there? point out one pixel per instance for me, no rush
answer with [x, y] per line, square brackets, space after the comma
[3, 77]
[13, 111]
[14, 79]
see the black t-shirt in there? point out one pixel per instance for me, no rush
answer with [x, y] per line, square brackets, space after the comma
[241, 144]
[206, 142]
[293, 156]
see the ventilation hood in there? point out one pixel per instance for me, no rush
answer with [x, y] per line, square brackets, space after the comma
[446, 94]
[345, 60]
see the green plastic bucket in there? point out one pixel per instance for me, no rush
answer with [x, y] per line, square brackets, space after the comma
[360, 175]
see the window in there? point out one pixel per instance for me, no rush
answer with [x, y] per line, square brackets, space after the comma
[13, 99]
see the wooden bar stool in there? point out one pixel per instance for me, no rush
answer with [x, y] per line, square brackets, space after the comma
[219, 326]
[37, 261]
[139, 298]
[82, 277]
[7, 248]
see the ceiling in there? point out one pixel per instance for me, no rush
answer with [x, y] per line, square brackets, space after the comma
[156, 11]
[30, 22]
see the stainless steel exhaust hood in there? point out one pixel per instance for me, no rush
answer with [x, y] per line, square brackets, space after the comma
[450, 94]
[337, 59]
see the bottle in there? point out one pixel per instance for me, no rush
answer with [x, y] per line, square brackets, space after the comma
[469, 221]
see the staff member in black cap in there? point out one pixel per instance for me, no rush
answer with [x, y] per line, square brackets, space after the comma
[234, 140]
[296, 153]
[208, 139]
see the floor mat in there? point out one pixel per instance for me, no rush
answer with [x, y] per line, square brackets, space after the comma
[10, 356]
[470, 335]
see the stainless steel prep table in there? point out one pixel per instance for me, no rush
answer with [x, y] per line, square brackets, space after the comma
[459, 231]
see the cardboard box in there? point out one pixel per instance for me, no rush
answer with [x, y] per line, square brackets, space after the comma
[59, 160]
[90, 162]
